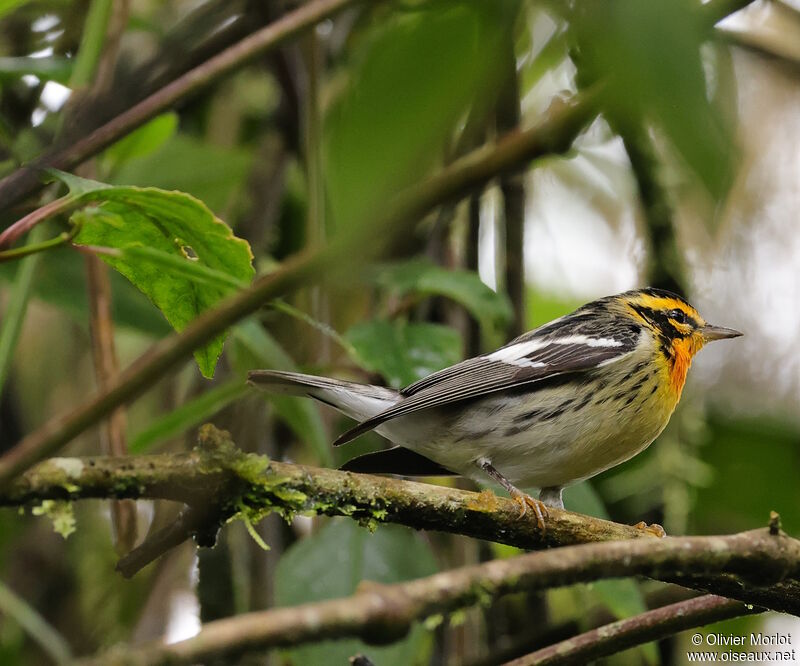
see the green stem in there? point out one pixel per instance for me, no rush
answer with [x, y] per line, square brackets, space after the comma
[35, 625]
[92, 41]
[35, 248]
[16, 309]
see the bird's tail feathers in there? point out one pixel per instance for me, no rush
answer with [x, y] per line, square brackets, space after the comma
[358, 401]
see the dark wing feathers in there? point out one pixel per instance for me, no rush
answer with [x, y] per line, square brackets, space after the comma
[523, 361]
[396, 460]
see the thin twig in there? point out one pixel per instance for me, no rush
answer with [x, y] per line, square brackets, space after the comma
[113, 434]
[630, 632]
[25, 180]
[25, 224]
[554, 135]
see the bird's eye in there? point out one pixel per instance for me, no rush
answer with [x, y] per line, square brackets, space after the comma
[678, 316]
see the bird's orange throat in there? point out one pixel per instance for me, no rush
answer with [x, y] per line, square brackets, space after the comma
[683, 350]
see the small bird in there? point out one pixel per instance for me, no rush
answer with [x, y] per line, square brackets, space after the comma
[554, 406]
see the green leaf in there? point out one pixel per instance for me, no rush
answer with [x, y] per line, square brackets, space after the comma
[17, 306]
[755, 462]
[143, 141]
[61, 282]
[624, 42]
[178, 266]
[8, 6]
[211, 173]
[255, 348]
[380, 137]
[188, 415]
[492, 310]
[78, 187]
[404, 352]
[171, 223]
[47, 69]
[331, 564]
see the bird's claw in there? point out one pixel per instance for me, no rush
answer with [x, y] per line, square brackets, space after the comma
[539, 508]
[655, 529]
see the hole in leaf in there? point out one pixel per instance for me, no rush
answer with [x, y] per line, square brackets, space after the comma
[188, 252]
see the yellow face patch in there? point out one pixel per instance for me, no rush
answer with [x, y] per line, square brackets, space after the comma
[665, 304]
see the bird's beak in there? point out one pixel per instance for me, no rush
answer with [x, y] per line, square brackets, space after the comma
[718, 333]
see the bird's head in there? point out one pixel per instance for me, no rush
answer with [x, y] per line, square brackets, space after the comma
[678, 326]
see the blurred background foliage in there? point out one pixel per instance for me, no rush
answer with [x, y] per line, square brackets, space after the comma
[687, 180]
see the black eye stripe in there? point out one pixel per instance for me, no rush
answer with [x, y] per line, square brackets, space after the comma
[666, 320]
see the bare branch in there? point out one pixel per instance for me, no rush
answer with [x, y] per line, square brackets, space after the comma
[384, 613]
[650, 626]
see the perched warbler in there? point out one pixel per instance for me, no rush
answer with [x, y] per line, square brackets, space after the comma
[554, 406]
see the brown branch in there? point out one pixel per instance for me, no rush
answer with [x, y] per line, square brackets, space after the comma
[630, 632]
[106, 367]
[25, 181]
[554, 135]
[219, 479]
[25, 224]
[379, 613]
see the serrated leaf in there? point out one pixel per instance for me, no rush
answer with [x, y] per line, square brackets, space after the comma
[492, 310]
[404, 352]
[171, 223]
[331, 564]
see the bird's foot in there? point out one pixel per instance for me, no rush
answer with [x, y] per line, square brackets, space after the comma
[655, 529]
[539, 507]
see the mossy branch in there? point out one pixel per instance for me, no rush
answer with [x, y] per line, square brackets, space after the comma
[216, 481]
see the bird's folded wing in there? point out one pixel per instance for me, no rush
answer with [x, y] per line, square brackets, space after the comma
[521, 362]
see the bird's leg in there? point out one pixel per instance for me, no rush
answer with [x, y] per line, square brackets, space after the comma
[517, 495]
[552, 497]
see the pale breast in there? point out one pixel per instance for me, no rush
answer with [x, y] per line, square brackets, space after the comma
[538, 437]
